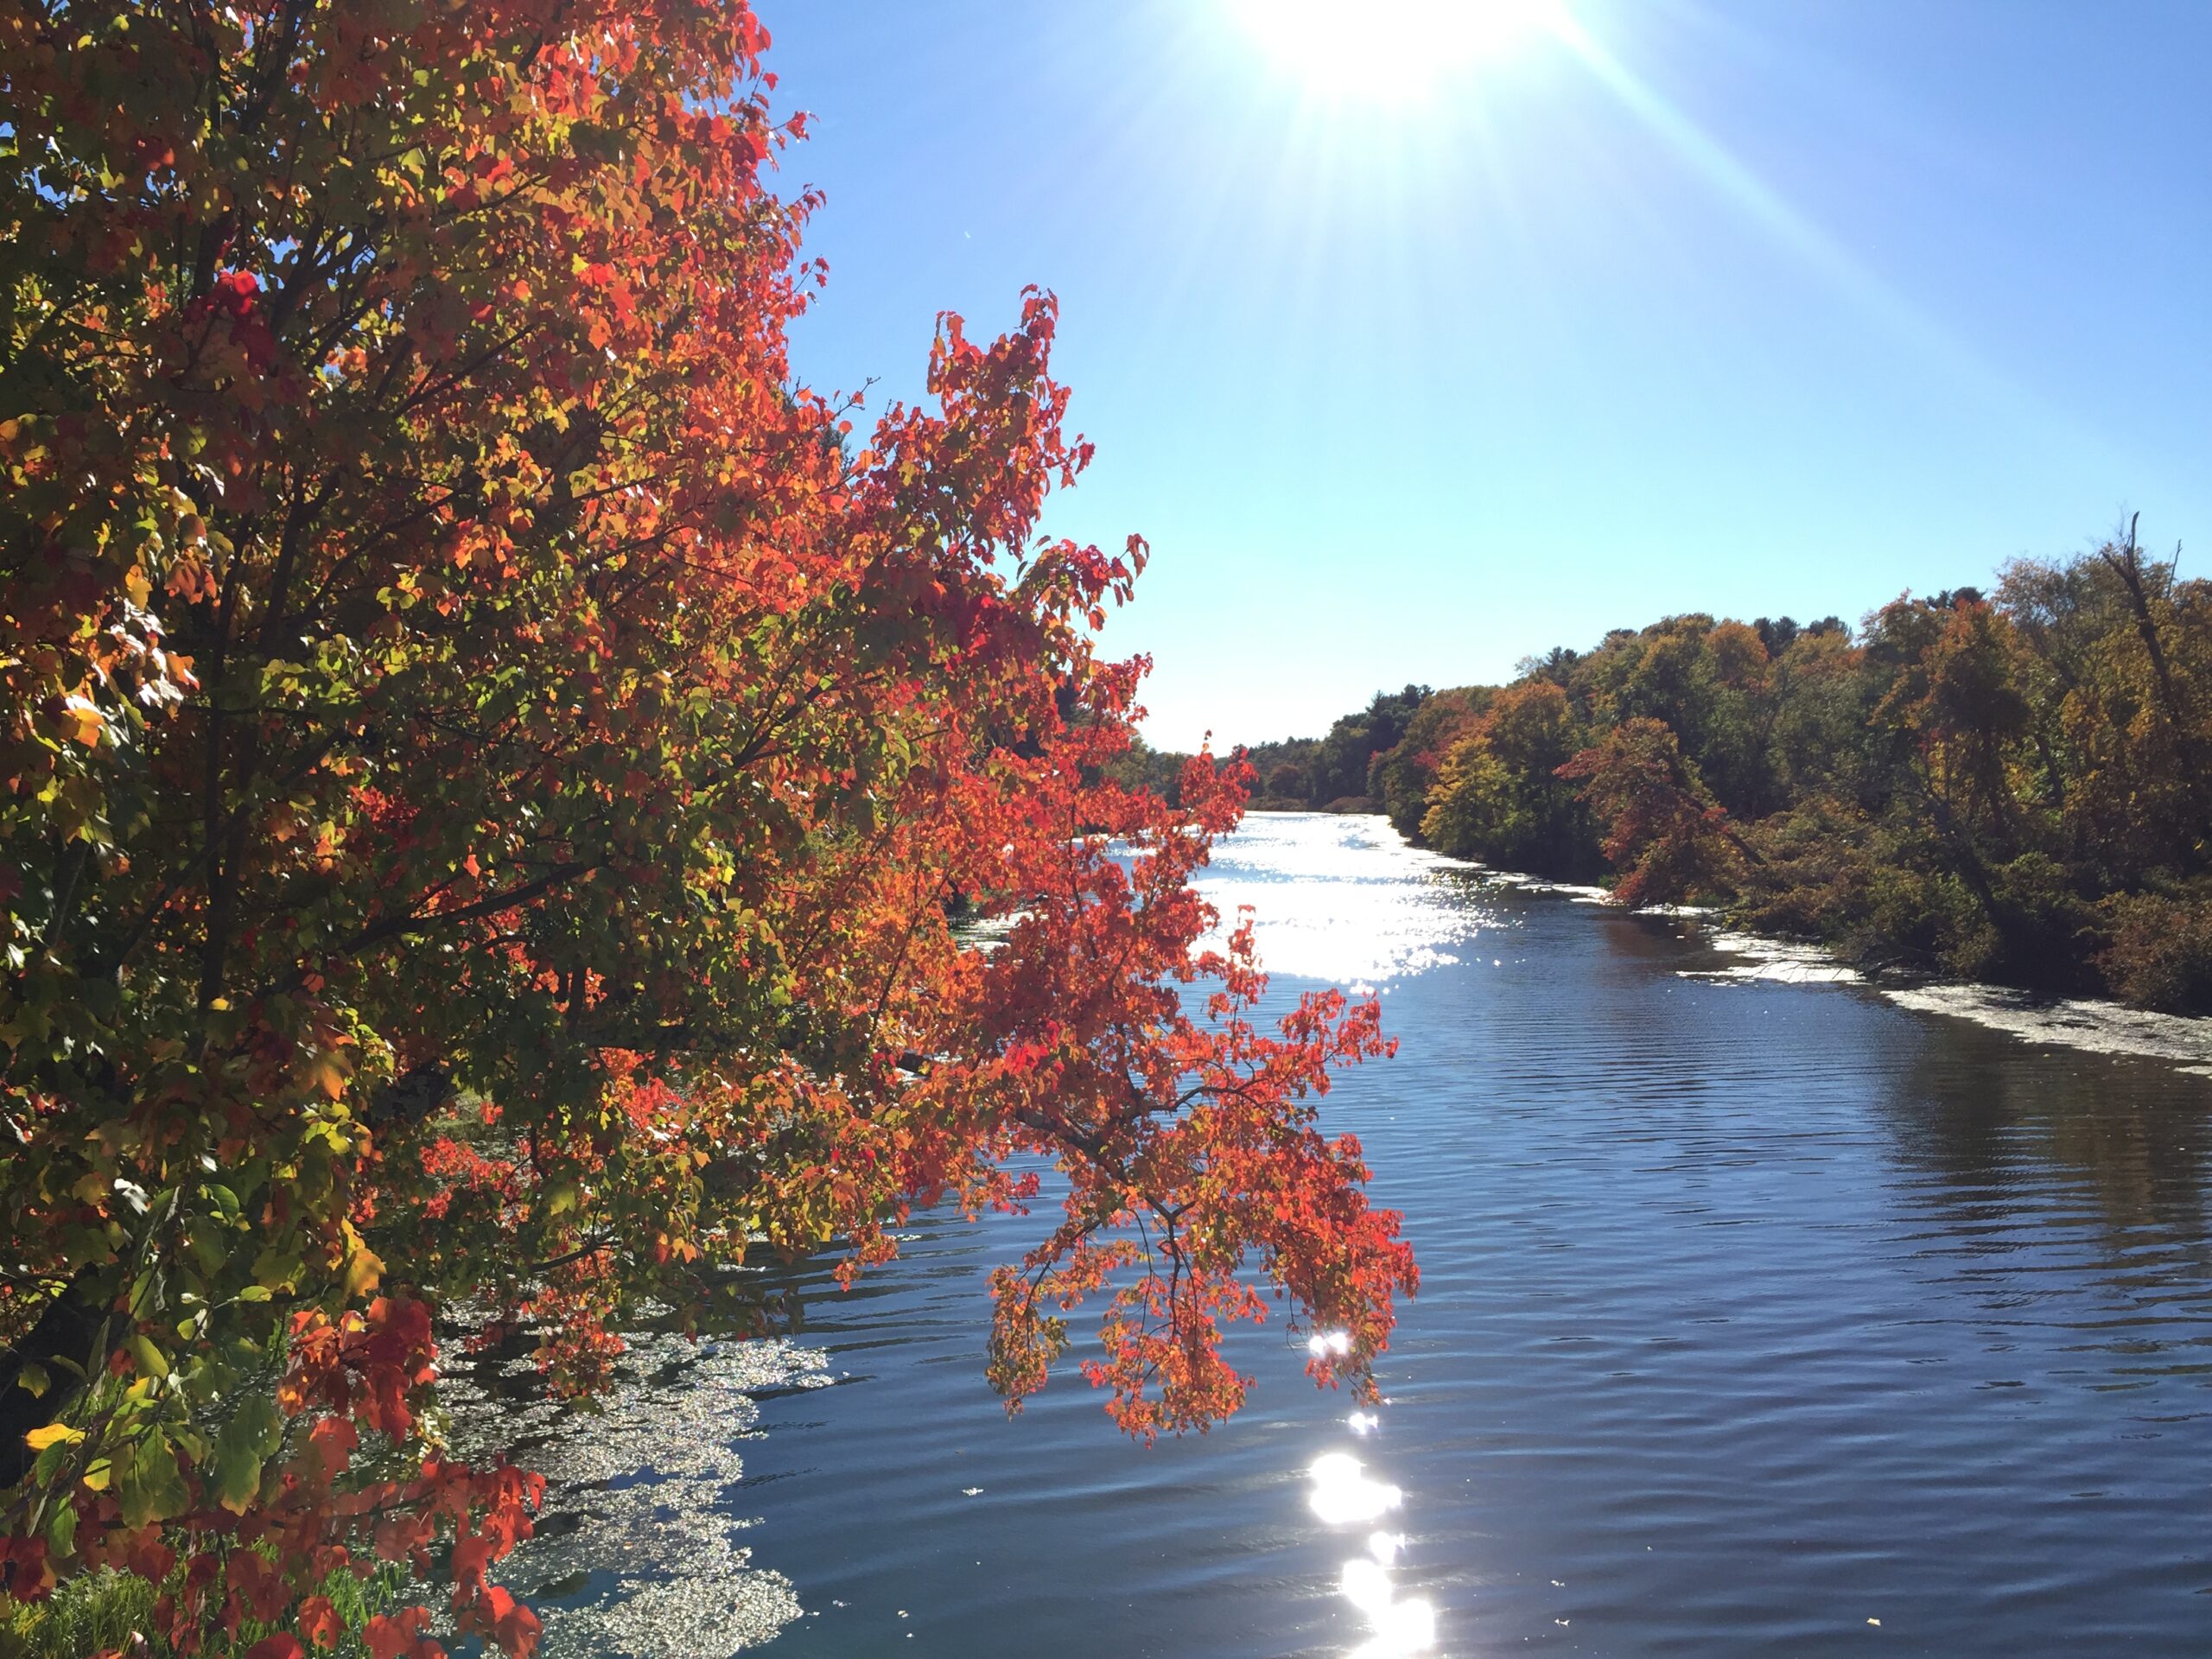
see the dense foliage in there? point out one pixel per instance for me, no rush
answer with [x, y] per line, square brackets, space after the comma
[1333, 772]
[2015, 785]
[491, 761]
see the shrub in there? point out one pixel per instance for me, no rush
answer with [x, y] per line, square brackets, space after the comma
[2161, 952]
[2047, 934]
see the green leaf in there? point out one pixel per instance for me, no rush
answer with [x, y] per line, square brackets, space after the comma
[208, 1247]
[234, 1476]
[47, 1467]
[277, 1267]
[152, 1488]
[150, 1361]
[257, 1424]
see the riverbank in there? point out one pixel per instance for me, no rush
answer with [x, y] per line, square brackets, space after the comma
[2093, 1025]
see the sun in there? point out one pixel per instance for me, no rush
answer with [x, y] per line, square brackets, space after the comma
[1390, 50]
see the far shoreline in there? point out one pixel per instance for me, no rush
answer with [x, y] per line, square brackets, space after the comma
[2089, 1024]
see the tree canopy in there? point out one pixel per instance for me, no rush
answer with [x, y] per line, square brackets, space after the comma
[492, 763]
[2014, 786]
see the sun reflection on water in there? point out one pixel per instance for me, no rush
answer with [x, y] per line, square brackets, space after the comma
[1343, 899]
[1342, 1494]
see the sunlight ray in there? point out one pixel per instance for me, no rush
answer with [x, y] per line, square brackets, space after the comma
[1822, 254]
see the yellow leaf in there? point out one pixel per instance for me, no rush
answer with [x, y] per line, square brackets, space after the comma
[363, 1269]
[100, 1474]
[39, 1438]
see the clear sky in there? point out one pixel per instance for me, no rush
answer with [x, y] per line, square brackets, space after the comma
[1416, 347]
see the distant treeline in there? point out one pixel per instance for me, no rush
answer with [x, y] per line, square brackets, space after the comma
[2014, 786]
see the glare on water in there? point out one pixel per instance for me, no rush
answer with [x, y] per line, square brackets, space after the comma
[1343, 1494]
[1339, 899]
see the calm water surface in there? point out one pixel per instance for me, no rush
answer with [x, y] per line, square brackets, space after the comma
[1750, 1313]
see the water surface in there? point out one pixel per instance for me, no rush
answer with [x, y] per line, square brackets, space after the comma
[1752, 1313]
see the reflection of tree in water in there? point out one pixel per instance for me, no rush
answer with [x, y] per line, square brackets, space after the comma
[2004, 1135]
[2011, 1130]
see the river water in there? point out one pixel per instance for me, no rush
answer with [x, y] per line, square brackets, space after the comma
[1753, 1313]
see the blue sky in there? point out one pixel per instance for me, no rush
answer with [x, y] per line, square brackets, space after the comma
[1683, 305]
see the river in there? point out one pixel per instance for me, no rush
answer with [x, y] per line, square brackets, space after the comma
[1757, 1317]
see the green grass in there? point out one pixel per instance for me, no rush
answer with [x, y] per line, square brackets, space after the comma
[99, 1613]
[94, 1614]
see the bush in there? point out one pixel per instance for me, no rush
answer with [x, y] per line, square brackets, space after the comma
[2161, 952]
[1927, 919]
[2048, 934]
[1813, 874]
[2032, 929]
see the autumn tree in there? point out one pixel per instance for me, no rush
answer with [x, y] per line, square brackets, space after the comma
[491, 761]
[1404, 775]
[1816, 735]
[2122, 731]
[1958, 698]
[1497, 796]
[1671, 840]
